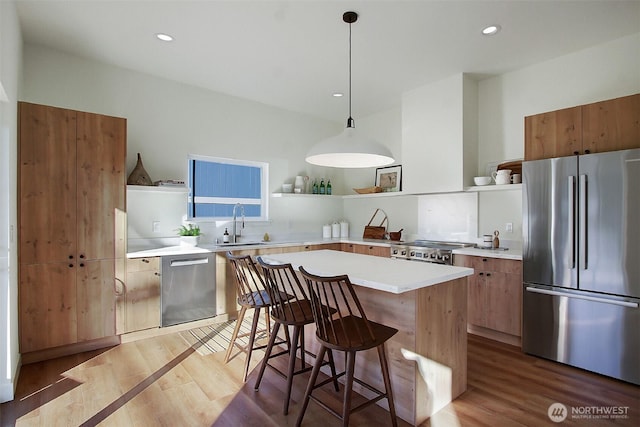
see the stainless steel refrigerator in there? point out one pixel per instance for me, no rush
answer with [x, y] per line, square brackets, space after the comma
[581, 261]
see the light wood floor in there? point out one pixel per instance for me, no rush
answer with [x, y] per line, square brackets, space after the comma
[162, 381]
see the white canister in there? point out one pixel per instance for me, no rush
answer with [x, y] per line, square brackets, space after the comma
[487, 240]
[335, 230]
[344, 229]
[326, 231]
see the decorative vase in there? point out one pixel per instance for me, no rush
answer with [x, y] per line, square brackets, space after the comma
[189, 240]
[138, 175]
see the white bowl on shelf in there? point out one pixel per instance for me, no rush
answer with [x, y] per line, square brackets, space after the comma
[482, 180]
[287, 188]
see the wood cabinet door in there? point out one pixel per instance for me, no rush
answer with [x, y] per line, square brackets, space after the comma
[47, 184]
[96, 299]
[503, 303]
[553, 134]
[612, 125]
[47, 295]
[142, 298]
[101, 148]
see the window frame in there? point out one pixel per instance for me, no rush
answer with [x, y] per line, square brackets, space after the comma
[264, 188]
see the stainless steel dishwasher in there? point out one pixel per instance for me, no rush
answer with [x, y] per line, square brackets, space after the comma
[188, 288]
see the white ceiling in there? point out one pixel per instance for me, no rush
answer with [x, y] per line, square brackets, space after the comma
[294, 54]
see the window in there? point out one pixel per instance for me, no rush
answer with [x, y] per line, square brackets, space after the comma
[216, 185]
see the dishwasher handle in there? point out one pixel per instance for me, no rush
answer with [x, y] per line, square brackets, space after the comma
[185, 262]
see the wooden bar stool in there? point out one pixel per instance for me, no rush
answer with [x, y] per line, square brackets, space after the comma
[251, 291]
[348, 330]
[290, 306]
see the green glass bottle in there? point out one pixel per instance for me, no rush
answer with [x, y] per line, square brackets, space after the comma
[329, 187]
[322, 188]
[314, 189]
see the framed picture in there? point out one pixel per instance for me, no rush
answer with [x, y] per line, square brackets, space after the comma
[389, 178]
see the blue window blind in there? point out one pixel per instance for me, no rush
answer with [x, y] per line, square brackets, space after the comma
[218, 184]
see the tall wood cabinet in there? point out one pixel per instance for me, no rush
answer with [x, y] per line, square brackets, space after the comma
[593, 128]
[71, 224]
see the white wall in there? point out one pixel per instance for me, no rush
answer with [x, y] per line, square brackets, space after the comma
[10, 70]
[601, 72]
[166, 121]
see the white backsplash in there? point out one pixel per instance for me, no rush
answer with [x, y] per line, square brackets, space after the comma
[448, 217]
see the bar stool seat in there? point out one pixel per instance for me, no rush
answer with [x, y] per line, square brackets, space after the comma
[290, 308]
[346, 329]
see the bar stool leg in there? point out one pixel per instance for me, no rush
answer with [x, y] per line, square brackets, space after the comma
[387, 383]
[234, 336]
[267, 353]
[292, 366]
[252, 339]
[332, 365]
[348, 385]
[311, 384]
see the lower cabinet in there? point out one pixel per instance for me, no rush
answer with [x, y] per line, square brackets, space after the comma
[494, 293]
[383, 251]
[139, 305]
[65, 303]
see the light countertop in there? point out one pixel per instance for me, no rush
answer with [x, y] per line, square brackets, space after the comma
[146, 251]
[384, 274]
[511, 253]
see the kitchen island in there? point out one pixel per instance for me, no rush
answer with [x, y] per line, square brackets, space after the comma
[426, 302]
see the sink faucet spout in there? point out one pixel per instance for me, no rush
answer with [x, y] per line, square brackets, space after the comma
[234, 230]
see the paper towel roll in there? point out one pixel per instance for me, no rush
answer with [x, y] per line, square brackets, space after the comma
[326, 231]
[344, 229]
[335, 230]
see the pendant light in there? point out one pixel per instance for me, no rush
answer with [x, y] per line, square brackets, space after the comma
[349, 150]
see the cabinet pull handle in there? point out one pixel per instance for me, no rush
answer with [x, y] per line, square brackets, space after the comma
[82, 256]
[70, 265]
[576, 152]
[115, 288]
[587, 151]
[484, 260]
[488, 274]
[480, 274]
[81, 264]
[145, 260]
[70, 256]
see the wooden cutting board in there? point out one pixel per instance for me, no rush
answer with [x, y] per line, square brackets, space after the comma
[515, 166]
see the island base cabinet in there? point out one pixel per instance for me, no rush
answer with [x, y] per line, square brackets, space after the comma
[427, 357]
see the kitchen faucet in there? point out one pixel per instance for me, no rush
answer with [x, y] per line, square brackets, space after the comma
[234, 234]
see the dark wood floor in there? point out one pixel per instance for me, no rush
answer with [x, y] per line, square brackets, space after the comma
[162, 381]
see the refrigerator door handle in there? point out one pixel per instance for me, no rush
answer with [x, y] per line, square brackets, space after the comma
[583, 297]
[582, 224]
[572, 219]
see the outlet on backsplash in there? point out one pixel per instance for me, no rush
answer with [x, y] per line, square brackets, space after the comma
[508, 227]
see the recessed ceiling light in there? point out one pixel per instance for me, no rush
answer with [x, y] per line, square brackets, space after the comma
[164, 37]
[338, 95]
[491, 30]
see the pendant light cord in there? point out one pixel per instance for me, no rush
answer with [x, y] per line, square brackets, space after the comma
[350, 123]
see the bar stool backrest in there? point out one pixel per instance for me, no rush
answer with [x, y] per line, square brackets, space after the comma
[347, 326]
[288, 296]
[250, 285]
